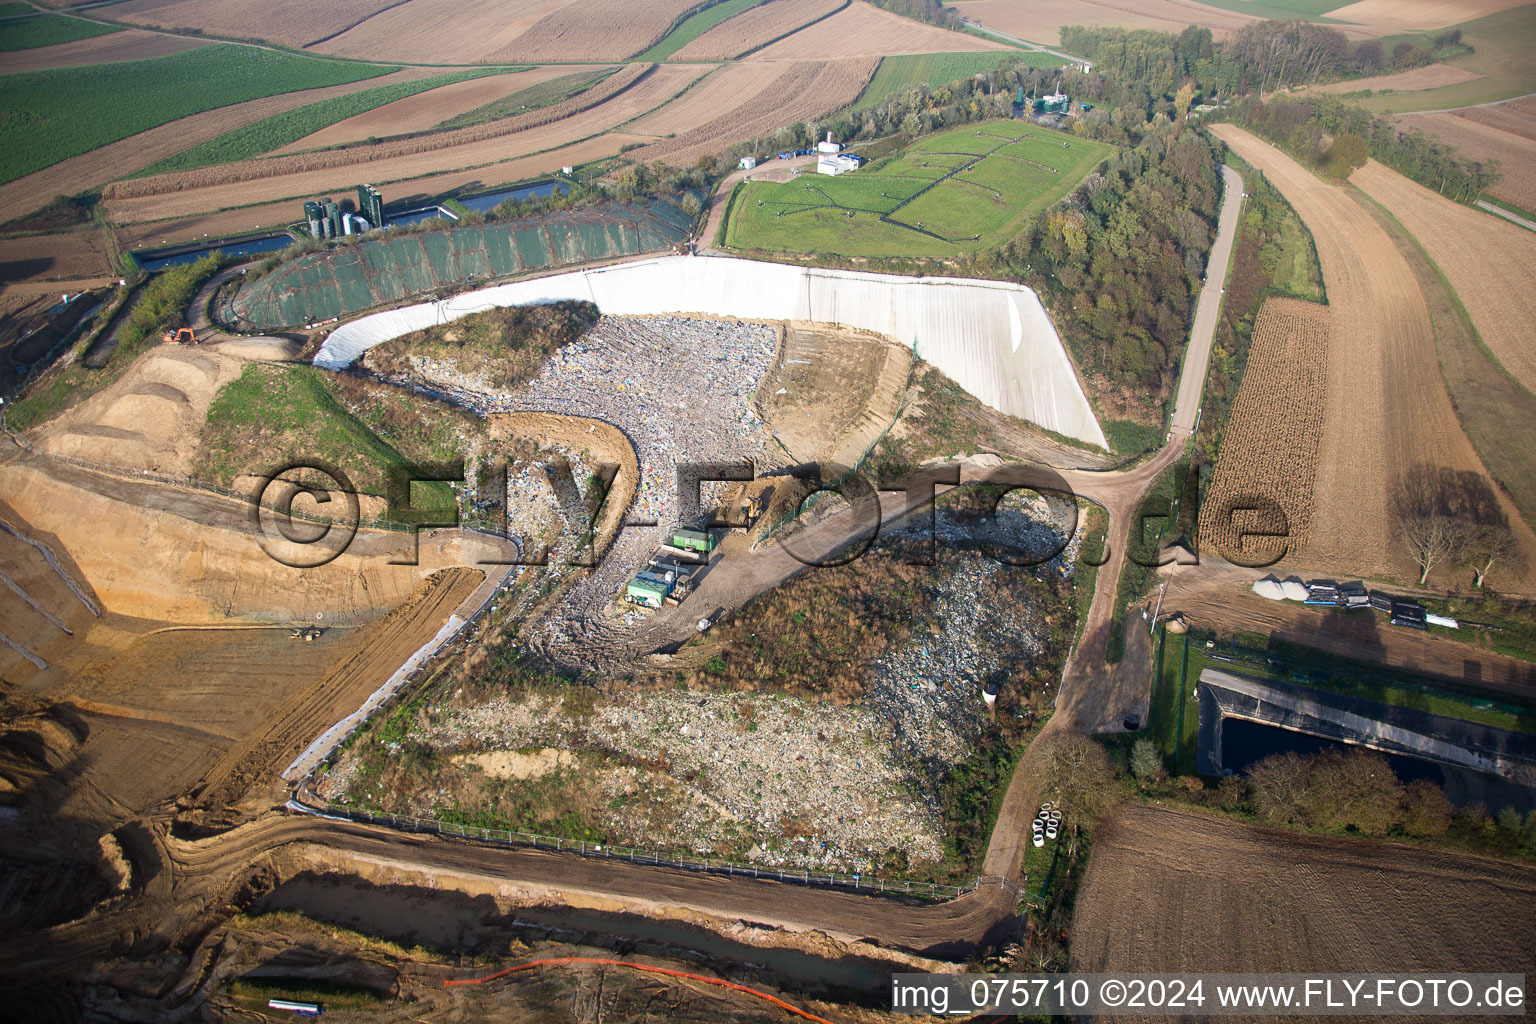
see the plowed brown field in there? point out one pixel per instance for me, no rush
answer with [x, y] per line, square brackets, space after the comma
[632, 91]
[99, 166]
[1269, 450]
[1431, 76]
[1419, 15]
[130, 44]
[754, 28]
[1169, 889]
[1518, 117]
[78, 254]
[863, 30]
[802, 91]
[1514, 150]
[289, 22]
[1490, 263]
[1387, 407]
[1040, 21]
[491, 31]
[426, 110]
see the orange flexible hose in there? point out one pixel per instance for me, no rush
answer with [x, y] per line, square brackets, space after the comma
[639, 967]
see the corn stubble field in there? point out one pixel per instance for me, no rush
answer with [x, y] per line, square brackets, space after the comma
[1271, 445]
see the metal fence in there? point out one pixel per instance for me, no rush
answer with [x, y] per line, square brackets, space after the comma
[709, 865]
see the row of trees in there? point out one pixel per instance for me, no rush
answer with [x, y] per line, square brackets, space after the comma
[1262, 56]
[1336, 136]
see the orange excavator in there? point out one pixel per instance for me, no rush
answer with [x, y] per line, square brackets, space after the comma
[181, 336]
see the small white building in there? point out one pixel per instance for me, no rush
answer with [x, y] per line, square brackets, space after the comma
[830, 158]
[748, 162]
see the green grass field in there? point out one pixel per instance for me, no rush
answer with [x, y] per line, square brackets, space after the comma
[24, 33]
[954, 192]
[292, 125]
[48, 116]
[1282, 10]
[695, 26]
[934, 69]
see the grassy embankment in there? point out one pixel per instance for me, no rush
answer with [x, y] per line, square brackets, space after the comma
[1274, 255]
[910, 70]
[48, 116]
[1179, 660]
[280, 130]
[289, 411]
[892, 208]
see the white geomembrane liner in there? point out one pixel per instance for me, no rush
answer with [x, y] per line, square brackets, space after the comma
[993, 339]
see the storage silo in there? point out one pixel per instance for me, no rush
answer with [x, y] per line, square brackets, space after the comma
[313, 215]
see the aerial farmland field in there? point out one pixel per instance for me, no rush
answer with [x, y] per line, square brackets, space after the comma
[52, 115]
[955, 191]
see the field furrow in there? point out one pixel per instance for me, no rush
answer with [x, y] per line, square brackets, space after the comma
[101, 165]
[1490, 263]
[863, 30]
[617, 98]
[289, 22]
[756, 27]
[1387, 410]
[802, 91]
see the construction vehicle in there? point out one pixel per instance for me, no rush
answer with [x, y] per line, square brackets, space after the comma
[181, 336]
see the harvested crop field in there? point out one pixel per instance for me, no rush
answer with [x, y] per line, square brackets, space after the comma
[616, 99]
[1269, 450]
[548, 147]
[1041, 20]
[863, 30]
[1233, 897]
[1515, 153]
[1490, 263]
[130, 44]
[1387, 407]
[452, 31]
[1419, 15]
[79, 253]
[296, 23]
[1431, 76]
[756, 27]
[1517, 117]
[24, 195]
[729, 87]
[426, 110]
[804, 90]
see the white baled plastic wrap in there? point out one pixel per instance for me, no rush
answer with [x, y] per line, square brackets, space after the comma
[993, 339]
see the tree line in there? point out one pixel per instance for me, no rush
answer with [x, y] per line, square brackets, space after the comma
[1262, 56]
[1336, 136]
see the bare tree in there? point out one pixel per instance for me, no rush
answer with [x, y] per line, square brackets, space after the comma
[1488, 545]
[1438, 509]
